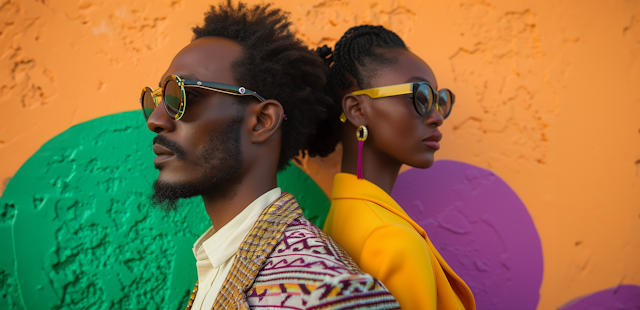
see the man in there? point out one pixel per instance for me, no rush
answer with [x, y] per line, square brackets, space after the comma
[250, 86]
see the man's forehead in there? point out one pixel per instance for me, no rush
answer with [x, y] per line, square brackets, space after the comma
[207, 59]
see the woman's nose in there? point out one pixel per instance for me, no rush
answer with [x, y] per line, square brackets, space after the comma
[435, 118]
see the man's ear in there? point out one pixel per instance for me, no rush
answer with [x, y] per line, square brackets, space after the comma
[266, 119]
[353, 107]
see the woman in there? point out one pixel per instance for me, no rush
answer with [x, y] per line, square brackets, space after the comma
[386, 113]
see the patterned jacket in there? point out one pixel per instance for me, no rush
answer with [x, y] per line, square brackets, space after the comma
[286, 262]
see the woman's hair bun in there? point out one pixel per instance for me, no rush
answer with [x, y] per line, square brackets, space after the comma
[324, 51]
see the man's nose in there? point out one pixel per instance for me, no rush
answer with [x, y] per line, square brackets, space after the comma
[160, 121]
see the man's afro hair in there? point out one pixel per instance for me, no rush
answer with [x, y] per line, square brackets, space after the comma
[275, 64]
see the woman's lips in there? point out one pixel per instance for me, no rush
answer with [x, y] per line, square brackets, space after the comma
[432, 144]
[433, 139]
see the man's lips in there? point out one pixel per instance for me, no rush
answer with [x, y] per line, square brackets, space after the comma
[162, 154]
[433, 139]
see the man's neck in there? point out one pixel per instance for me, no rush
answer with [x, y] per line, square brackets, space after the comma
[222, 210]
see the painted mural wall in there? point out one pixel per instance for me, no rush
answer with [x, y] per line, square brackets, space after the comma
[536, 191]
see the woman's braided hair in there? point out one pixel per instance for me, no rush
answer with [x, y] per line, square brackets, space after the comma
[357, 54]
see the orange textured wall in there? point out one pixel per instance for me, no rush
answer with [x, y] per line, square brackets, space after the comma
[548, 97]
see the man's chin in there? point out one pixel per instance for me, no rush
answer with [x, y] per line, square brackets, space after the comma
[166, 195]
[172, 173]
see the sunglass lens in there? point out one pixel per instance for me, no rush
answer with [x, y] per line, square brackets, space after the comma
[445, 102]
[423, 100]
[146, 99]
[172, 96]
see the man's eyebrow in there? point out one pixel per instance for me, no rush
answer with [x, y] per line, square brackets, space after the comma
[186, 76]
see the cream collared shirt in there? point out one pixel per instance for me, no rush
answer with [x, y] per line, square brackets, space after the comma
[215, 250]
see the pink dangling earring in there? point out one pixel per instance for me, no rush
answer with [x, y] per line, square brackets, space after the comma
[362, 133]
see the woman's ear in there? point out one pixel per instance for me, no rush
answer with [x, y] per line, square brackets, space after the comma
[266, 120]
[353, 107]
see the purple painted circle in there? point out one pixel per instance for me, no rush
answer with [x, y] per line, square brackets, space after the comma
[623, 297]
[480, 227]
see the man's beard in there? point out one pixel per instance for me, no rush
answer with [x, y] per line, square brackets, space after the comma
[220, 161]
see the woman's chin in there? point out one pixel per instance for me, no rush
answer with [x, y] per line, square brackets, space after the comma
[421, 164]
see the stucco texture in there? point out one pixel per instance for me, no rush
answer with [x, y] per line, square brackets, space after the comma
[548, 99]
[77, 232]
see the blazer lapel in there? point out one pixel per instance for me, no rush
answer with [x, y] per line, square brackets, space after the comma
[255, 250]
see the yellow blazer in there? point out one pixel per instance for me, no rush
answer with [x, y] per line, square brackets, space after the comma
[386, 243]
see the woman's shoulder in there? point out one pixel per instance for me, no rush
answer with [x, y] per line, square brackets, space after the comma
[373, 213]
[351, 222]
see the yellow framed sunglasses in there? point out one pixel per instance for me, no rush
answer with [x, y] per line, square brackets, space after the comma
[174, 98]
[425, 98]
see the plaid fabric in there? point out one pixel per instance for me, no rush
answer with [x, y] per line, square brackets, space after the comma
[286, 262]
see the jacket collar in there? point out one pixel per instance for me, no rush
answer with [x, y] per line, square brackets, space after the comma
[255, 250]
[348, 186]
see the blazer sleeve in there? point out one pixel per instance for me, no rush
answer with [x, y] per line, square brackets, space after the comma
[352, 291]
[398, 257]
[346, 291]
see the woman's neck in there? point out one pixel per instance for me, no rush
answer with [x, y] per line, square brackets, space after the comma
[377, 168]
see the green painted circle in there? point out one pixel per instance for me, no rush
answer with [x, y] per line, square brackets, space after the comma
[77, 232]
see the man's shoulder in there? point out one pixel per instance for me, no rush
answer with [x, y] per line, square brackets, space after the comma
[308, 269]
[303, 241]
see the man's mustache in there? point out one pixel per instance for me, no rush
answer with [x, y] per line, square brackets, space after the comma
[170, 145]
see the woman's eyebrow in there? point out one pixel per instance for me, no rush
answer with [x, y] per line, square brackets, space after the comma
[417, 79]
[421, 79]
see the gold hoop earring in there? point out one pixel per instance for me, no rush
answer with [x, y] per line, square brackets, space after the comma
[362, 133]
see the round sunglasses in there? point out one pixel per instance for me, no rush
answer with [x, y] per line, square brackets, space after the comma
[172, 94]
[425, 97]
